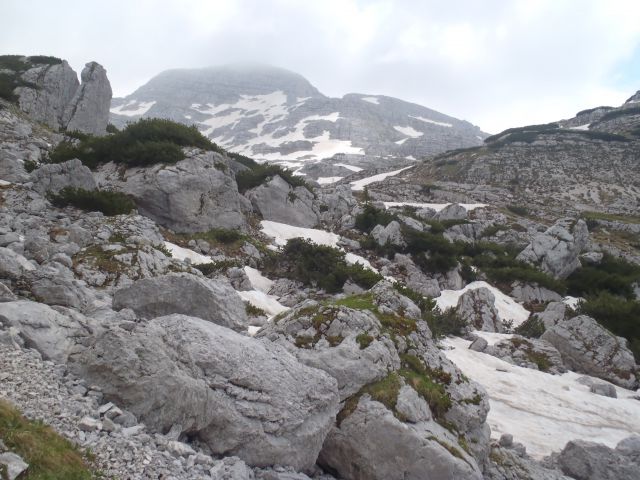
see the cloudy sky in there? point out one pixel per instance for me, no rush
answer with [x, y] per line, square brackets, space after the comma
[496, 63]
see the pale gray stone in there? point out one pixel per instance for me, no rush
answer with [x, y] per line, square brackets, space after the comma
[88, 110]
[54, 177]
[211, 300]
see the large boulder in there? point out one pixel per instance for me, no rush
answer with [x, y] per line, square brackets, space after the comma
[211, 300]
[336, 206]
[533, 293]
[588, 347]
[13, 265]
[372, 444]
[593, 461]
[278, 201]
[55, 335]
[477, 308]
[453, 211]
[556, 251]
[88, 110]
[56, 176]
[375, 345]
[240, 396]
[529, 353]
[389, 235]
[49, 90]
[194, 195]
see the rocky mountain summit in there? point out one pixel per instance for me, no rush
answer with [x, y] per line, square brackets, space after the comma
[174, 310]
[273, 114]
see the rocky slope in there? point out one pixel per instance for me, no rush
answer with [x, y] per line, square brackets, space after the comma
[273, 114]
[193, 334]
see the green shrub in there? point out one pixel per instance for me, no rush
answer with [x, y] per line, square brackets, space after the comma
[529, 129]
[619, 113]
[145, 142]
[29, 166]
[619, 315]
[613, 275]
[372, 216]
[518, 210]
[111, 128]
[15, 66]
[319, 265]
[261, 173]
[109, 203]
[532, 327]
[444, 323]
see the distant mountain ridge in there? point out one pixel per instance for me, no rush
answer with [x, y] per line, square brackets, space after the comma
[273, 114]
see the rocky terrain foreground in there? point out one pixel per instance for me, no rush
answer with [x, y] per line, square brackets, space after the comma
[172, 310]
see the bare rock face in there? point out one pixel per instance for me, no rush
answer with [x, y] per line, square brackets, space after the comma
[55, 86]
[194, 195]
[54, 177]
[556, 251]
[276, 200]
[382, 351]
[88, 111]
[184, 293]
[240, 396]
[527, 352]
[594, 461]
[477, 308]
[52, 95]
[589, 348]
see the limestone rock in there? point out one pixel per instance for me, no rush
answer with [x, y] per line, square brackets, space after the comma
[237, 395]
[56, 86]
[593, 461]
[13, 265]
[190, 196]
[391, 234]
[56, 176]
[276, 200]
[88, 110]
[390, 301]
[13, 464]
[408, 452]
[477, 308]
[533, 293]
[53, 334]
[556, 251]
[211, 300]
[589, 348]
[529, 353]
[452, 212]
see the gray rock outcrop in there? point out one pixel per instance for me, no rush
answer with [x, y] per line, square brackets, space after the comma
[452, 212]
[211, 300]
[191, 196]
[389, 235]
[477, 309]
[88, 110]
[556, 251]
[529, 353]
[589, 348]
[278, 201]
[593, 461]
[55, 86]
[409, 451]
[54, 177]
[239, 396]
[55, 335]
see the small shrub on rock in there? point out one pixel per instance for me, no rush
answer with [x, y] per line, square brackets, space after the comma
[109, 203]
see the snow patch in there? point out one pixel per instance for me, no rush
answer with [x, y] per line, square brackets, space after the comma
[359, 185]
[427, 120]
[348, 167]
[545, 411]
[328, 180]
[581, 127]
[400, 142]
[180, 253]
[4, 183]
[572, 302]
[507, 307]
[373, 100]
[408, 131]
[131, 110]
[265, 302]
[281, 233]
[258, 281]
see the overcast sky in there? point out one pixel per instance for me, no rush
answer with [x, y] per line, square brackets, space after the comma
[496, 63]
